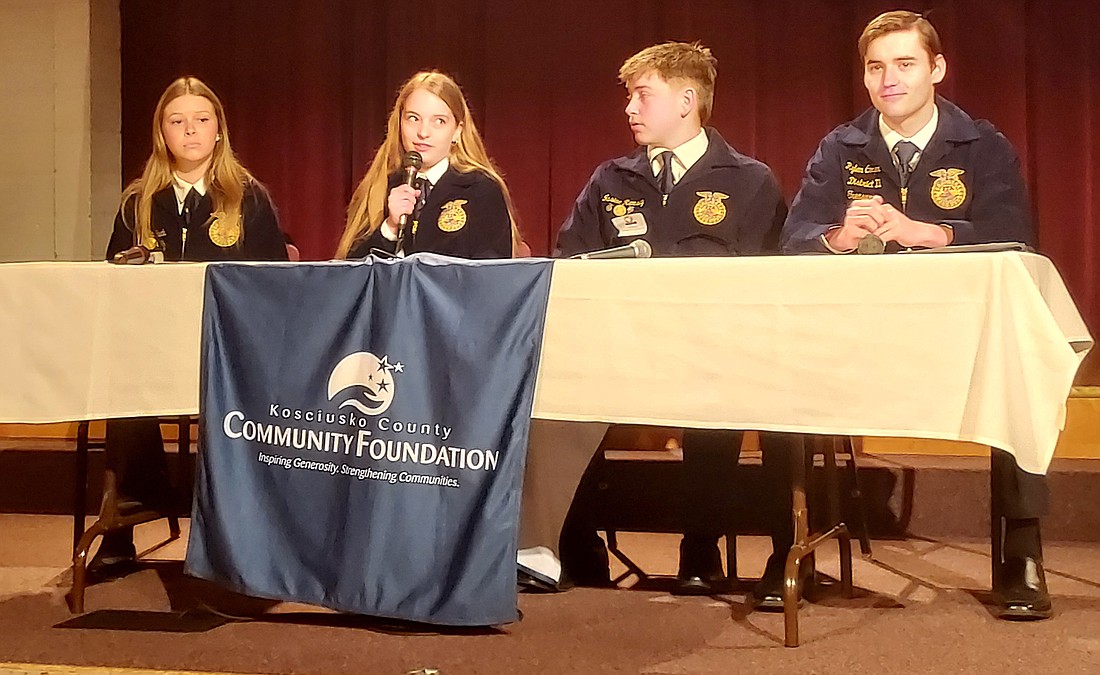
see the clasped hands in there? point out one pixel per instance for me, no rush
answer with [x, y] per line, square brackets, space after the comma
[875, 216]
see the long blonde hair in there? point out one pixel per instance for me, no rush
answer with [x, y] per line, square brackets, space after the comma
[226, 178]
[366, 211]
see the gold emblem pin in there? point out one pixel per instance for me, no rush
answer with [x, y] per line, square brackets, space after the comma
[221, 234]
[453, 217]
[948, 190]
[710, 209]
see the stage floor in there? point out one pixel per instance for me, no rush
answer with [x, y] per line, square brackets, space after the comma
[922, 607]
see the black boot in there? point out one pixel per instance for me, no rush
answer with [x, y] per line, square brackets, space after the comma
[1021, 585]
[767, 595]
[700, 570]
[584, 559]
[116, 556]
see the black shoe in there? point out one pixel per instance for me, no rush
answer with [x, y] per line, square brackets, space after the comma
[767, 596]
[115, 558]
[700, 567]
[584, 560]
[1023, 595]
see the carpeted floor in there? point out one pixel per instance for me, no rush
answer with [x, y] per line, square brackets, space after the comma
[920, 610]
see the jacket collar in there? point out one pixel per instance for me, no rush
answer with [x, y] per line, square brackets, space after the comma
[719, 154]
[954, 127]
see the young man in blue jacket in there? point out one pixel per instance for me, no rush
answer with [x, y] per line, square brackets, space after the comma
[915, 171]
[688, 193]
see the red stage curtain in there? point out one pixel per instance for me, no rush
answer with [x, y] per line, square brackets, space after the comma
[308, 85]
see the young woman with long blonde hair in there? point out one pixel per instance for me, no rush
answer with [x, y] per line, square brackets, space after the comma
[459, 204]
[194, 201]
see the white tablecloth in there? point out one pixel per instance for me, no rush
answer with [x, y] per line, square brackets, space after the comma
[978, 346]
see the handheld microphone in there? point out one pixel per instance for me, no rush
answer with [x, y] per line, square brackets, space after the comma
[410, 164]
[639, 248]
[137, 255]
[870, 244]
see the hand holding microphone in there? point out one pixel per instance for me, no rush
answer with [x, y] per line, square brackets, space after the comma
[401, 201]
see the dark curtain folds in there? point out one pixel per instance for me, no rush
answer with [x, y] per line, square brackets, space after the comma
[308, 86]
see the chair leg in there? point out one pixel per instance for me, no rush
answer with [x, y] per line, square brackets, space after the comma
[631, 566]
[80, 566]
[798, 550]
[80, 484]
[804, 542]
[108, 515]
[855, 495]
[183, 450]
[997, 532]
[844, 539]
[731, 557]
[82, 540]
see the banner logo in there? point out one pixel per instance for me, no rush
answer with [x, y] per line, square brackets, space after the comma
[365, 381]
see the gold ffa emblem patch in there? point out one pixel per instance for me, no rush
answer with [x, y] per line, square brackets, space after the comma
[710, 209]
[221, 234]
[948, 190]
[453, 217]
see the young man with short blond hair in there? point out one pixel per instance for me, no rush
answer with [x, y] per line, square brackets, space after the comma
[688, 193]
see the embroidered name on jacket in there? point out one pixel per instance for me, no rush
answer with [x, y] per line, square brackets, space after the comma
[617, 206]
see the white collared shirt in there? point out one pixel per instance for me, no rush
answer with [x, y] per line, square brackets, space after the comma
[919, 139]
[436, 172]
[685, 155]
[182, 187]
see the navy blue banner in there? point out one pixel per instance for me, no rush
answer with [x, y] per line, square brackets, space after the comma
[364, 430]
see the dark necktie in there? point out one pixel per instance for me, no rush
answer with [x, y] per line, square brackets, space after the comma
[904, 152]
[190, 205]
[664, 177]
[425, 187]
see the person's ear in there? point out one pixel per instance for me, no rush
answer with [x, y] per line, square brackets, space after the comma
[939, 69]
[689, 100]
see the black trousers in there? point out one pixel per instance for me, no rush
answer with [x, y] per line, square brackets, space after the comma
[710, 458]
[710, 462]
[134, 450]
[1016, 494]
